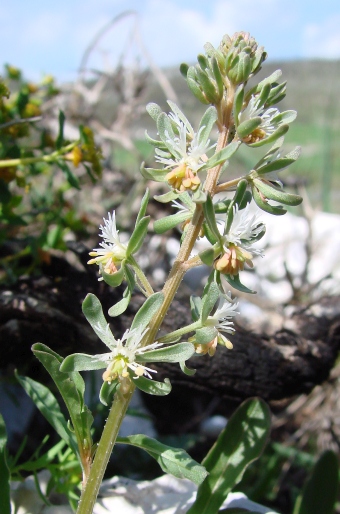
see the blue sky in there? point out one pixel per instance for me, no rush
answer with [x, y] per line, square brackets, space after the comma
[43, 36]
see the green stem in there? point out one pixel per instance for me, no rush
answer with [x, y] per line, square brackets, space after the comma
[141, 277]
[104, 450]
[31, 160]
[180, 332]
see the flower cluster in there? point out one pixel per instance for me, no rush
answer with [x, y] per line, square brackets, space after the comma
[221, 321]
[112, 251]
[182, 151]
[238, 248]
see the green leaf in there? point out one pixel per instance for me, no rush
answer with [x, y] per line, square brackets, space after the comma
[196, 90]
[153, 387]
[221, 156]
[175, 461]
[179, 352]
[187, 371]
[278, 195]
[207, 85]
[210, 217]
[276, 210]
[180, 115]
[279, 132]
[207, 256]
[184, 69]
[222, 206]
[149, 308]
[247, 127]
[239, 193]
[143, 206]
[113, 279]
[4, 471]
[210, 296]
[154, 174]
[284, 117]
[107, 391]
[71, 387]
[206, 124]
[269, 80]
[60, 138]
[167, 197]
[166, 133]
[320, 492]
[154, 110]
[71, 178]
[81, 362]
[162, 225]
[218, 77]
[93, 311]
[209, 235]
[49, 408]
[234, 280]
[205, 335]
[238, 102]
[195, 307]
[239, 444]
[155, 142]
[138, 236]
[199, 196]
[281, 163]
[122, 305]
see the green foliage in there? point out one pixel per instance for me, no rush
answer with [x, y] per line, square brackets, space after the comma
[4, 470]
[239, 444]
[175, 461]
[29, 192]
[320, 492]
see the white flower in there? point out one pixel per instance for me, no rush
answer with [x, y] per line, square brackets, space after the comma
[123, 355]
[112, 251]
[253, 110]
[192, 154]
[226, 310]
[244, 228]
[188, 153]
[238, 248]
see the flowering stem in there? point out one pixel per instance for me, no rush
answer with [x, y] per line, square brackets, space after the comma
[179, 268]
[147, 289]
[31, 160]
[104, 450]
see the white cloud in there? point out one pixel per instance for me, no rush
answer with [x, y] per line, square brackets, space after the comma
[322, 39]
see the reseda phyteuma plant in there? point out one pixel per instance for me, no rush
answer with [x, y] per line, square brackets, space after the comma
[191, 165]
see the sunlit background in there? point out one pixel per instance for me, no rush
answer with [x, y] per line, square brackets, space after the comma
[43, 36]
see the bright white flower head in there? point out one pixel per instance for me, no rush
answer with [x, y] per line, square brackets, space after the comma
[112, 251]
[267, 126]
[244, 228]
[238, 247]
[123, 355]
[226, 310]
[189, 154]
